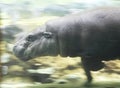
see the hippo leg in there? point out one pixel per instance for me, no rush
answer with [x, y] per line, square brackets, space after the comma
[91, 64]
[87, 70]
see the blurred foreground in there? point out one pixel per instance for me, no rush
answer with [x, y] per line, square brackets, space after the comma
[54, 72]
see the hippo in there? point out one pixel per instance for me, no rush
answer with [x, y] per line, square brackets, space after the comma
[93, 35]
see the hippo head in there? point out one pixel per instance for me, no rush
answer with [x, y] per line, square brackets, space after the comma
[34, 44]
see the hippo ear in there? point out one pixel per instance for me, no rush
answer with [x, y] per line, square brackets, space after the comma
[47, 34]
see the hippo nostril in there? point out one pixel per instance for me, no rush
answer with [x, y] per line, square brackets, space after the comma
[26, 44]
[31, 38]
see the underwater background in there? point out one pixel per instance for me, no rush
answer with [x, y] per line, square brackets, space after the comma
[19, 16]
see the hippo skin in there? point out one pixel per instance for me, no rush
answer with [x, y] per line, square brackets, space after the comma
[94, 35]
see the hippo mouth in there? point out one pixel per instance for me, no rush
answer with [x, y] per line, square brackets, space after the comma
[21, 53]
[26, 51]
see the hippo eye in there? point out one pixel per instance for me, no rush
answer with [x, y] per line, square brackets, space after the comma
[47, 34]
[30, 38]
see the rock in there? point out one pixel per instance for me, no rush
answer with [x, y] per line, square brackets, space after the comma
[72, 77]
[2, 47]
[48, 80]
[5, 58]
[9, 47]
[61, 81]
[15, 68]
[9, 31]
[9, 59]
[41, 75]
[4, 70]
[49, 70]
[35, 66]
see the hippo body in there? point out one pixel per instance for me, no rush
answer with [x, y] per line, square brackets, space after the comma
[93, 35]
